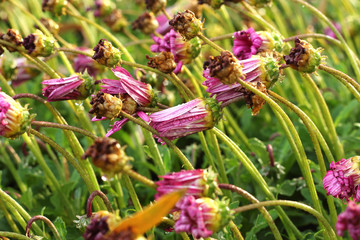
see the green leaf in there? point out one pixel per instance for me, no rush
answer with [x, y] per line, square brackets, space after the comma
[287, 188]
[61, 227]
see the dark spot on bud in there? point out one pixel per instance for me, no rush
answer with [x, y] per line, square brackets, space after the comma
[29, 43]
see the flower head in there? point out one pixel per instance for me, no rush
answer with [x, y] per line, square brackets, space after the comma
[14, 119]
[164, 62]
[108, 155]
[155, 5]
[146, 23]
[225, 67]
[105, 106]
[202, 217]
[116, 21]
[195, 116]
[248, 43]
[84, 63]
[38, 44]
[77, 87]
[186, 24]
[164, 26]
[100, 224]
[349, 220]
[12, 36]
[198, 183]
[303, 57]
[57, 7]
[103, 8]
[106, 54]
[343, 179]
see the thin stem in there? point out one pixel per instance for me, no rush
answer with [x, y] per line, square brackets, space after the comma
[166, 14]
[144, 125]
[4, 82]
[188, 92]
[337, 73]
[347, 49]
[219, 158]
[155, 153]
[13, 235]
[74, 51]
[223, 37]
[132, 193]
[252, 199]
[210, 43]
[8, 217]
[306, 208]
[140, 178]
[91, 199]
[64, 126]
[47, 221]
[235, 231]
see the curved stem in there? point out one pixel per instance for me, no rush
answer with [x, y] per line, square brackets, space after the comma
[4, 82]
[140, 178]
[188, 92]
[74, 51]
[337, 73]
[252, 199]
[47, 221]
[8, 218]
[235, 231]
[13, 235]
[64, 126]
[91, 199]
[144, 125]
[321, 16]
[210, 43]
[294, 204]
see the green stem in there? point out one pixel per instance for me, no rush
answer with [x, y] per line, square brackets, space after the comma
[13, 235]
[140, 178]
[8, 217]
[210, 43]
[219, 158]
[235, 231]
[132, 193]
[306, 208]
[235, 126]
[65, 127]
[255, 174]
[339, 151]
[182, 85]
[119, 192]
[252, 199]
[347, 49]
[170, 144]
[155, 153]
[11, 202]
[337, 74]
[9, 89]
[47, 221]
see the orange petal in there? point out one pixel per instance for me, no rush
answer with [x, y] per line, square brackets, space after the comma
[143, 221]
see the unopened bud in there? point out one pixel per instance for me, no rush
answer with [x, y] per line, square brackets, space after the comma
[116, 21]
[164, 62]
[155, 5]
[12, 36]
[38, 44]
[50, 25]
[105, 105]
[57, 7]
[146, 23]
[186, 24]
[106, 54]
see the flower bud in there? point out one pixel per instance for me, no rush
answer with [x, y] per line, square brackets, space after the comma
[12, 36]
[186, 24]
[146, 23]
[50, 25]
[225, 67]
[103, 8]
[116, 21]
[57, 7]
[38, 44]
[349, 220]
[202, 217]
[100, 225]
[107, 154]
[77, 87]
[14, 119]
[303, 57]
[106, 54]
[105, 105]
[155, 5]
[164, 62]
[216, 4]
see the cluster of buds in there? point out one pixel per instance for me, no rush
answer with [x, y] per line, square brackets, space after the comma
[349, 220]
[107, 154]
[194, 116]
[77, 87]
[304, 57]
[343, 179]
[146, 23]
[14, 119]
[155, 5]
[248, 43]
[37, 44]
[106, 54]
[164, 62]
[12, 36]
[57, 7]
[186, 24]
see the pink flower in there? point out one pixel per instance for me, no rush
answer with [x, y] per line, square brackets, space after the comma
[199, 183]
[195, 116]
[84, 63]
[119, 124]
[164, 26]
[246, 43]
[255, 69]
[201, 217]
[349, 220]
[330, 33]
[343, 179]
[76, 87]
[141, 92]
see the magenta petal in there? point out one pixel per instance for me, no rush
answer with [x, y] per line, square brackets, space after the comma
[143, 116]
[117, 126]
[63, 90]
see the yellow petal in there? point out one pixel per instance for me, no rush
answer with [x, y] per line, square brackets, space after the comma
[143, 221]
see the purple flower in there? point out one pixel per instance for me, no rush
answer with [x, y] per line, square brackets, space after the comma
[343, 179]
[84, 63]
[164, 26]
[349, 220]
[246, 43]
[201, 217]
[255, 69]
[76, 87]
[195, 116]
[119, 124]
[14, 119]
[141, 92]
[330, 33]
[199, 183]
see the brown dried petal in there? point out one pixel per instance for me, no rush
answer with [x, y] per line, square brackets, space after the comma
[155, 5]
[12, 36]
[186, 24]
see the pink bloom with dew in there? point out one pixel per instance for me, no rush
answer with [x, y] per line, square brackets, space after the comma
[246, 43]
[77, 87]
[194, 116]
[349, 220]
